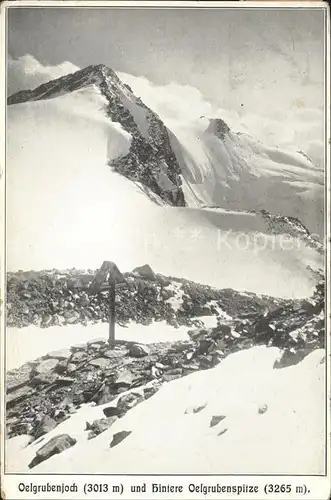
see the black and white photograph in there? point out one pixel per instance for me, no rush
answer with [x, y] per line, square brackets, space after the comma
[165, 268]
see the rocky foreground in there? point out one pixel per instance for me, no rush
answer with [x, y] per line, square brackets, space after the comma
[44, 392]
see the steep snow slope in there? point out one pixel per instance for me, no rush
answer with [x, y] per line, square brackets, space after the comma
[232, 170]
[262, 408]
[67, 208]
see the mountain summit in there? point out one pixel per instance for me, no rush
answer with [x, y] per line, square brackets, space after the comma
[150, 159]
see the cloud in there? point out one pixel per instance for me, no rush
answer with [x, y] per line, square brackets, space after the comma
[295, 127]
[176, 104]
[27, 73]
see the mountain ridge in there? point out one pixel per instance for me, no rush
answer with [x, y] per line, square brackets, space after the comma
[150, 160]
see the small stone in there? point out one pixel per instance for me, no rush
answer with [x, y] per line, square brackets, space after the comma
[262, 409]
[139, 351]
[56, 445]
[195, 409]
[118, 438]
[216, 419]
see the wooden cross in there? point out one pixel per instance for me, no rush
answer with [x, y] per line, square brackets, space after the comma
[108, 271]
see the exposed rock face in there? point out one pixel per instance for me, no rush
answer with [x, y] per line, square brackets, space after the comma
[150, 160]
[218, 127]
[280, 224]
[62, 297]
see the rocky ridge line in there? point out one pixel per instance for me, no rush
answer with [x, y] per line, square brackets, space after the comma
[150, 160]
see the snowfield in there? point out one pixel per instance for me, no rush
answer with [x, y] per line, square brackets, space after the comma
[257, 409]
[66, 208]
[237, 172]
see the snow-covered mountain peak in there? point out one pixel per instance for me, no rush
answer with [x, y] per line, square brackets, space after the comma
[150, 160]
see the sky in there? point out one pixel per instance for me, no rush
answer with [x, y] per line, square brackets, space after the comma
[261, 67]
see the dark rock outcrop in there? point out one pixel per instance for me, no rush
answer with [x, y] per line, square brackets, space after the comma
[56, 445]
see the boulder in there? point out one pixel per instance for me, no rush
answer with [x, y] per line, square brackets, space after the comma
[138, 351]
[124, 378]
[216, 419]
[145, 271]
[99, 426]
[78, 356]
[56, 445]
[47, 366]
[118, 438]
[128, 401]
[112, 411]
[102, 363]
